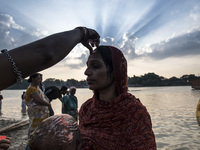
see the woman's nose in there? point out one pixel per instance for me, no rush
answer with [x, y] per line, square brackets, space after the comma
[87, 71]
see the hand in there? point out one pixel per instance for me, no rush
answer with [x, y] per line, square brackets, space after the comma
[4, 143]
[90, 38]
[49, 105]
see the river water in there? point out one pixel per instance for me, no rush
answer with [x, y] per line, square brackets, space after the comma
[172, 111]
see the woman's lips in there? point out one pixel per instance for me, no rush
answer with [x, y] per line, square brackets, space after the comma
[89, 81]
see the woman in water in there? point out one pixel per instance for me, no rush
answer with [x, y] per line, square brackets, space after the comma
[37, 103]
[113, 118]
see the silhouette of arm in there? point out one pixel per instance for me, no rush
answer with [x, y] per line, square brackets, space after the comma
[42, 54]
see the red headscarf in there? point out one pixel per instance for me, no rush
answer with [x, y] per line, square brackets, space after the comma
[121, 124]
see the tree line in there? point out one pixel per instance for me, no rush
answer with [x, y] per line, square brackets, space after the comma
[149, 79]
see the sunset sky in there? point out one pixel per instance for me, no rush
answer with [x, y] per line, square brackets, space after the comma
[160, 36]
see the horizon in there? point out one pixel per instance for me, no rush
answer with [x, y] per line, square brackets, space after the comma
[128, 76]
[155, 36]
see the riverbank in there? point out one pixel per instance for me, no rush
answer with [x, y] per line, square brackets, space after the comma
[18, 135]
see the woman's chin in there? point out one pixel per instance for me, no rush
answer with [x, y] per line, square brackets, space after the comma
[91, 87]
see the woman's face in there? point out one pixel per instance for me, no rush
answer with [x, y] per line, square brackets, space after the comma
[37, 80]
[97, 74]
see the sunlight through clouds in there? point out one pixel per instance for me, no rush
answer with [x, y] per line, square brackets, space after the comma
[154, 31]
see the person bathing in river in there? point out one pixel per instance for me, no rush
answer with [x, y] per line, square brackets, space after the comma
[37, 103]
[70, 103]
[52, 92]
[23, 103]
[113, 119]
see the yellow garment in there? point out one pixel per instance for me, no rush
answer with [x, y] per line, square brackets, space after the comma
[198, 113]
[29, 92]
[36, 112]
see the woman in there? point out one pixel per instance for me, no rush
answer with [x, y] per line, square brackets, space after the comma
[70, 103]
[113, 118]
[43, 53]
[37, 102]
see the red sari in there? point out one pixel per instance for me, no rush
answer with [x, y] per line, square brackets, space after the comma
[121, 124]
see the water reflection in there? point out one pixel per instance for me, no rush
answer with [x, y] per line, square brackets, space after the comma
[172, 111]
[195, 93]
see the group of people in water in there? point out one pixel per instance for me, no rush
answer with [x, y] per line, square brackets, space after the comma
[68, 99]
[39, 99]
[111, 119]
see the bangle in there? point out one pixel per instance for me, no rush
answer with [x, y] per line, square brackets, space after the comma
[15, 69]
[85, 33]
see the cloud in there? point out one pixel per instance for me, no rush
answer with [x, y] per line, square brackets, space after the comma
[78, 62]
[157, 15]
[76, 59]
[183, 45]
[175, 46]
[14, 35]
[195, 12]
[118, 27]
[6, 24]
[160, 14]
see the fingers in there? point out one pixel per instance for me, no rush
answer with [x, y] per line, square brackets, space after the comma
[96, 43]
[8, 138]
[93, 35]
[4, 144]
[5, 141]
[92, 39]
[90, 45]
[86, 44]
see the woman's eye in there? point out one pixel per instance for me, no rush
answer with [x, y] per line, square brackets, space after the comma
[96, 66]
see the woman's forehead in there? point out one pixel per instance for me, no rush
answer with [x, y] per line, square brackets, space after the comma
[95, 56]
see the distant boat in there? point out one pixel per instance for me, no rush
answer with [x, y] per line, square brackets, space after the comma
[195, 83]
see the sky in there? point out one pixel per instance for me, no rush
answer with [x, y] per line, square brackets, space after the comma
[160, 36]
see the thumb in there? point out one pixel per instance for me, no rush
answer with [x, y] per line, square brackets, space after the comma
[86, 44]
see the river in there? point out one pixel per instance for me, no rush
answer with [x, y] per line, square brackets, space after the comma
[172, 110]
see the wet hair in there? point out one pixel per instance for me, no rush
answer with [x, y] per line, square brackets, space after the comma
[105, 53]
[33, 76]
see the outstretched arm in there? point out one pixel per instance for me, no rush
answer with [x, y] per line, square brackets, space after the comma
[43, 53]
